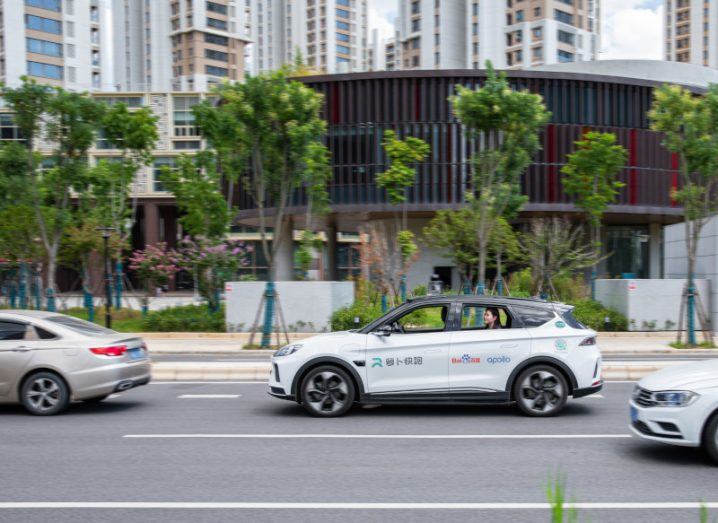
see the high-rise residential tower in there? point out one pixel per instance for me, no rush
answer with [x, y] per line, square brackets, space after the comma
[690, 29]
[62, 43]
[445, 34]
[331, 35]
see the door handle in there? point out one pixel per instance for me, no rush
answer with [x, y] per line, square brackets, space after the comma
[509, 345]
[22, 348]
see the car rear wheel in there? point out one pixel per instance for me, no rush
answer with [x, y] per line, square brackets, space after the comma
[44, 394]
[541, 391]
[710, 438]
[327, 392]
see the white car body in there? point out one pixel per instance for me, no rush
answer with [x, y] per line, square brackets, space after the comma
[453, 365]
[677, 425]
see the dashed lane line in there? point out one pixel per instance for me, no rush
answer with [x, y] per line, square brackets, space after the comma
[377, 436]
[208, 396]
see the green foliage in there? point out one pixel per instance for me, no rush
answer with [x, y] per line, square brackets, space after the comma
[400, 174]
[123, 320]
[592, 314]
[506, 124]
[187, 318]
[343, 319]
[303, 255]
[590, 173]
[407, 245]
[454, 231]
[196, 186]
[556, 496]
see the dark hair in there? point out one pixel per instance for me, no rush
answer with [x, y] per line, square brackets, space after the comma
[494, 311]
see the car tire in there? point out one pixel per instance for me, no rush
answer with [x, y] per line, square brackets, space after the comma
[541, 391]
[96, 399]
[44, 394]
[710, 438]
[327, 392]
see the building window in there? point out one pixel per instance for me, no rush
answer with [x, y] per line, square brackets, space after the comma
[186, 145]
[565, 56]
[519, 16]
[342, 37]
[133, 102]
[43, 47]
[415, 43]
[415, 26]
[341, 60]
[8, 129]
[217, 24]
[44, 70]
[48, 5]
[217, 8]
[182, 115]
[537, 12]
[475, 9]
[537, 33]
[343, 49]
[216, 55]
[160, 163]
[567, 2]
[475, 29]
[342, 25]
[566, 38]
[216, 71]
[215, 39]
[342, 13]
[47, 25]
[537, 53]
[563, 16]
[344, 2]
[415, 8]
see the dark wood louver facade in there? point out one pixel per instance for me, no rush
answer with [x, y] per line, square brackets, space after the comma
[360, 107]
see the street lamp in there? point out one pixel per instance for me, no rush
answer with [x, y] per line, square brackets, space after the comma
[106, 232]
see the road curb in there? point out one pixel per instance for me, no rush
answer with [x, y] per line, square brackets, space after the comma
[218, 371]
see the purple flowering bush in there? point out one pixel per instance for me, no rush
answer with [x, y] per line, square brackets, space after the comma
[155, 265]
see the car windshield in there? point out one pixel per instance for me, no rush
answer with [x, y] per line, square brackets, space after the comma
[80, 326]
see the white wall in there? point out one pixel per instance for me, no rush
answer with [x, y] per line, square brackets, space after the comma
[311, 302]
[646, 301]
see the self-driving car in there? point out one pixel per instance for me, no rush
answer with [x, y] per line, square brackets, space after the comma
[48, 360]
[679, 405]
[446, 349]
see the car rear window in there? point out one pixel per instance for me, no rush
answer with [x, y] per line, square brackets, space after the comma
[567, 316]
[81, 326]
[533, 317]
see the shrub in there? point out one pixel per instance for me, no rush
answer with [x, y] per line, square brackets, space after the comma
[187, 318]
[343, 319]
[592, 314]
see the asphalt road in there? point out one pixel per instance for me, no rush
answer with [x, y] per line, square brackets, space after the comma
[481, 463]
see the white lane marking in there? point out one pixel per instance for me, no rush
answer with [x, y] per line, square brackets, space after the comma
[620, 381]
[376, 436]
[113, 396]
[208, 396]
[218, 382]
[346, 506]
[594, 397]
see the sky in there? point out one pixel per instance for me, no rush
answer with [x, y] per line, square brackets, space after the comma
[631, 28]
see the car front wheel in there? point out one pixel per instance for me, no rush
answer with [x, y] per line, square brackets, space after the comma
[44, 394]
[327, 392]
[710, 439]
[541, 391]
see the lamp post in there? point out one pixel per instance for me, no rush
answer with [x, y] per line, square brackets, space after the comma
[106, 232]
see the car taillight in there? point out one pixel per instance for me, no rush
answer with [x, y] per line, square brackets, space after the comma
[588, 342]
[112, 351]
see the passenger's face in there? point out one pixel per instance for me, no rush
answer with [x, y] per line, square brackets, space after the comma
[489, 317]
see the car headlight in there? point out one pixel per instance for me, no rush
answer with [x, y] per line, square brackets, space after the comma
[674, 398]
[288, 349]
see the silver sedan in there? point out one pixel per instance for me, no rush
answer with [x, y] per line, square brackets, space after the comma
[48, 360]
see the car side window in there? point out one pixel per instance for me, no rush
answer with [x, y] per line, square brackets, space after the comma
[482, 317]
[534, 317]
[423, 319]
[42, 334]
[9, 330]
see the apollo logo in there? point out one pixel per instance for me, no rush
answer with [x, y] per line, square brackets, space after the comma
[498, 359]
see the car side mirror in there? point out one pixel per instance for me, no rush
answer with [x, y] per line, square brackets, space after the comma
[384, 330]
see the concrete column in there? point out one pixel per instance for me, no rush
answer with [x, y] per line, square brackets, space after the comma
[330, 272]
[655, 241]
[152, 224]
[284, 261]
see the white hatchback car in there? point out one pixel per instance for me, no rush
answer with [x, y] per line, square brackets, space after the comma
[679, 405]
[446, 349]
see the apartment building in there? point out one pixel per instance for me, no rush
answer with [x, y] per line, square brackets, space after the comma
[690, 29]
[55, 42]
[513, 34]
[331, 35]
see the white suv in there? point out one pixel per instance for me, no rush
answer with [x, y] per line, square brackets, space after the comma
[441, 349]
[679, 405]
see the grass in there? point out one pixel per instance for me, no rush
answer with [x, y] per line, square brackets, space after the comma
[701, 345]
[123, 320]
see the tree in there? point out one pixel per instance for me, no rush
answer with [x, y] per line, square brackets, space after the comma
[590, 176]
[402, 155]
[690, 127]
[155, 265]
[554, 248]
[454, 231]
[505, 124]
[68, 122]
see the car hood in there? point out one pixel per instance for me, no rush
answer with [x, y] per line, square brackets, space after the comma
[338, 335]
[690, 376]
